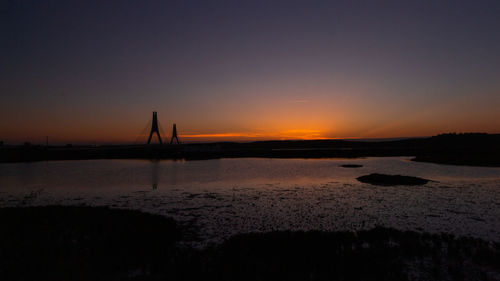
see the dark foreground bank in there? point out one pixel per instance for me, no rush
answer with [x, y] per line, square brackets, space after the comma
[456, 149]
[89, 243]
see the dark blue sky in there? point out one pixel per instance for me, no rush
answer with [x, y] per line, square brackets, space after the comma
[92, 71]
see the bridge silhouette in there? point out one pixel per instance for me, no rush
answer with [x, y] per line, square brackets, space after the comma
[157, 130]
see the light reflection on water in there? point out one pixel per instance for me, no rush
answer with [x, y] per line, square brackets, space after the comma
[228, 196]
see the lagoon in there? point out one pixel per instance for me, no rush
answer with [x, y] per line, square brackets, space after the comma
[223, 197]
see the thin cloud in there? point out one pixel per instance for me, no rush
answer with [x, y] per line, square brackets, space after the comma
[299, 101]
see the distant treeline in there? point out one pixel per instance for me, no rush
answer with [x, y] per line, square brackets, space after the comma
[479, 149]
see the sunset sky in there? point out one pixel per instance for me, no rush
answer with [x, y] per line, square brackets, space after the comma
[93, 71]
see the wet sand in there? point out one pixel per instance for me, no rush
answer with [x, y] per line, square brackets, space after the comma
[460, 207]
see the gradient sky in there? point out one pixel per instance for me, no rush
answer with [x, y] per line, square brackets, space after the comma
[93, 71]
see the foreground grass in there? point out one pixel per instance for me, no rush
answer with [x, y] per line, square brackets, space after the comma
[82, 243]
[87, 243]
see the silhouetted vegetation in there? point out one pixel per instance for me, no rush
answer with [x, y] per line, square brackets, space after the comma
[390, 180]
[84, 243]
[473, 149]
[377, 254]
[456, 149]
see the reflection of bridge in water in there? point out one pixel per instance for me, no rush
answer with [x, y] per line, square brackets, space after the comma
[155, 167]
[159, 172]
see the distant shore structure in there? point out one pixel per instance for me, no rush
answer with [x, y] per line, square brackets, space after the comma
[154, 128]
[174, 135]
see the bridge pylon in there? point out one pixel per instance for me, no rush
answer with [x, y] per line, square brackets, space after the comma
[174, 135]
[155, 128]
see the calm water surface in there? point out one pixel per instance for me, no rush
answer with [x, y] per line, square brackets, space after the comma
[227, 196]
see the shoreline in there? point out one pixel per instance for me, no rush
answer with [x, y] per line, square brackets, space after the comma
[472, 150]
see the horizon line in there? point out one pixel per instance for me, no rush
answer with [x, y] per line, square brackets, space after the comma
[100, 143]
[185, 139]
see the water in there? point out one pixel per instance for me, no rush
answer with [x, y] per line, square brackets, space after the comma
[228, 196]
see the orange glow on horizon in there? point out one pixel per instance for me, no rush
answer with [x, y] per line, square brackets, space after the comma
[259, 120]
[304, 134]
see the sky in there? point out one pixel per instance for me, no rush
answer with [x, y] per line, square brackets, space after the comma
[93, 71]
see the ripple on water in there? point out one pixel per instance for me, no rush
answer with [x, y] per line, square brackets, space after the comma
[331, 199]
